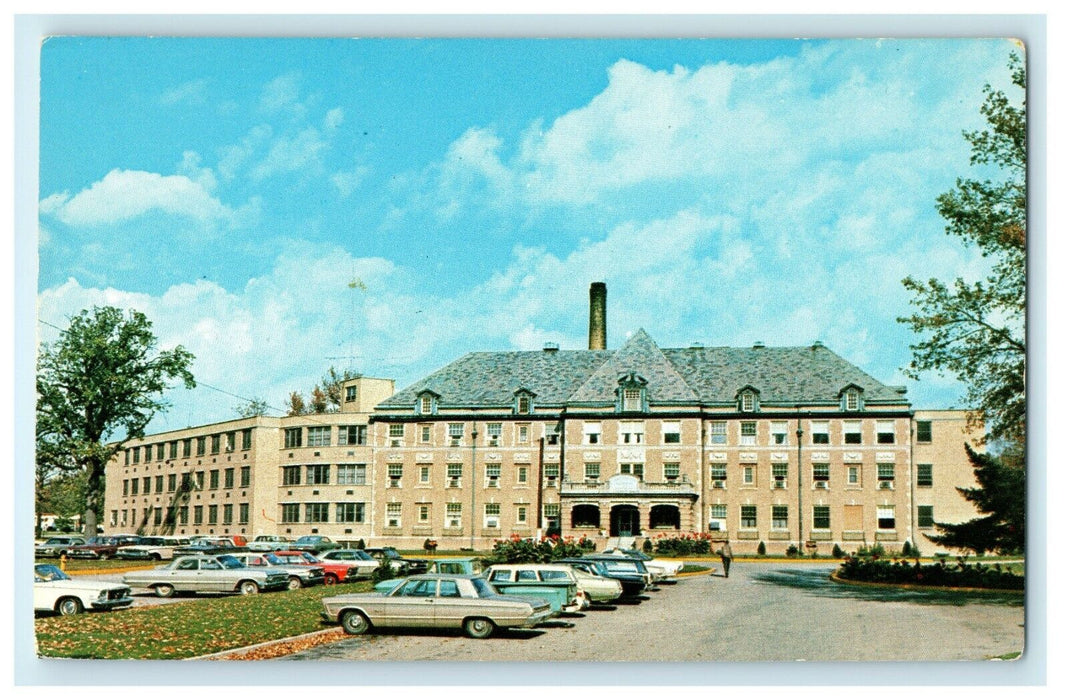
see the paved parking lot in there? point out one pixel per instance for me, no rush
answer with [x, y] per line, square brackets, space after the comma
[763, 612]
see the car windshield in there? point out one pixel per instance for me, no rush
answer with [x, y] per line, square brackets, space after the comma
[58, 540]
[360, 554]
[271, 558]
[484, 589]
[47, 572]
[230, 562]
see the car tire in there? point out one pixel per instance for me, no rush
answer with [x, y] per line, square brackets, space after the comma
[330, 579]
[478, 627]
[354, 622]
[104, 557]
[69, 606]
[155, 557]
[248, 588]
[163, 590]
[294, 583]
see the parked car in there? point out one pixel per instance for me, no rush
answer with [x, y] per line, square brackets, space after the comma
[632, 581]
[269, 543]
[300, 575]
[436, 600]
[55, 591]
[101, 547]
[556, 583]
[56, 546]
[598, 589]
[209, 545]
[666, 568]
[333, 571]
[399, 564]
[364, 563]
[463, 566]
[152, 548]
[215, 573]
[314, 544]
[614, 565]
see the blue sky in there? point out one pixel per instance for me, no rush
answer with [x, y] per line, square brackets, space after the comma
[278, 206]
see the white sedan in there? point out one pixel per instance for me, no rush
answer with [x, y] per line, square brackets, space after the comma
[54, 591]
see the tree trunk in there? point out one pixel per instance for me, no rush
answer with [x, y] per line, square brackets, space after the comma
[94, 491]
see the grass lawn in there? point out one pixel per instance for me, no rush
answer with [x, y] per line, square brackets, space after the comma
[73, 566]
[187, 629]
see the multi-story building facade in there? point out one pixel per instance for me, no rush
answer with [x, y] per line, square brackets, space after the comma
[780, 445]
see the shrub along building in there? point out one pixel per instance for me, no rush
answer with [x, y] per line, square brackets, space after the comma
[782, 445]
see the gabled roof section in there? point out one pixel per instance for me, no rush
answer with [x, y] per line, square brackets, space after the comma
[641, 356]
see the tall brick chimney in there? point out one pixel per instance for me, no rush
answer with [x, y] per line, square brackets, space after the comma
[598, 322]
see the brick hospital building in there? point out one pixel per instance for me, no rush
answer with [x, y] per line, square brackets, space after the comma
[781, 445]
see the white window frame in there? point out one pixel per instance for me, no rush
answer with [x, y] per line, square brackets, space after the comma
[717, 515]
[885, 427]
[522, 433]
[591, 433]
[782, 479]
[881, 515]
[493, 475]
[744, 438]
[780, 432]
[454, 515]
[748, 474]
[672, 471]
[424, 473]
[521, 515]
[454, 475]
[394, 474]
[631, 432]
[393, 515]
[456, 434]
[852, 427]
[820, 427]
[717, 432]
[673, 428]
[493, 434]
[783, 522]
[632, 399]
[592, 471]
[491, 516]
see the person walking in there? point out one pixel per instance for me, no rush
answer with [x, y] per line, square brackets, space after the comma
[725, 556]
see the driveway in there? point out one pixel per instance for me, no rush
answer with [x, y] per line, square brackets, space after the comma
[763, 612]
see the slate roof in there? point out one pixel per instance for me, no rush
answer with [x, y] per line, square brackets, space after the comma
[675, 376]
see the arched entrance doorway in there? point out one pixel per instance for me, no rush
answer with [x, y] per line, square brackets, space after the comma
[585, 515]
[661, 516]
[624, 521]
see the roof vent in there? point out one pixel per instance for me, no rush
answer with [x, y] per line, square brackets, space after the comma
[758, 344]
[817, 344]
[696, 345]
[551, 347]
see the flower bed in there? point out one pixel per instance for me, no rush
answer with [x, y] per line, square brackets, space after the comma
[527, 550]
[683, 545]
[873, 569]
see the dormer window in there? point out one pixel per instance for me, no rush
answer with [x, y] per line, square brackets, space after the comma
[524, 402]
[631, 393]
[747, 400]
[852, 398]
[427, 404]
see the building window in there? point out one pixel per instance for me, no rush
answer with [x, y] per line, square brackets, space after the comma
[352, 435]
[246, 476]
[925, 516]
[159, 483]
[821, 517]
[183, 516]
[886, 475]
[552, 473]
[591, 433]
[213, 479]
[523, 404]
[246, 439]
[316, 512]
[718, 474]
[632, 399]
[394, 472]
[216, 443]
[717, 517]
[821, 473]
[748, 432]
[552, 434]
[780, 517]
[126, 486]
[350, 394]
[396, 434]
[318, 474]
[426, 404]
[493, 475]
[522, 433]
[294, 437]
[778, 476]
[172, 482]
[242, 513]
[717, 432]
[672, 432]
[456, 434]
[454, 474]
[128, 457]
[636, 469]
[228, 514]
[173, 451]
[631, 432]
[853, 474]
[551, 510]
[228, 478]
[424, 513]
[349, 512]
[213, 515]
[593, 471]
[200, 481]
[779, 431]
[493, 434]
[454, 515]
[748, 401]
[851, 432]
[319, 436]
[393, 515]
[492, 516]
[521, 474]
[884, 432]
[198, 515]
[924, 475]
[749, 517]
[146, 485]
[426, 430]
[520, 515]
[231, 441]
[291, 476]
[885, 515]
[820, 433]
[671, 471]
[749, 474]
[187, 447]
[157, 516]
[852, 400]
[923, 431]
[424, 474]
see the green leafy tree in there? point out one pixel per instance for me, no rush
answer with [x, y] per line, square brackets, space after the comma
[333, 383]
[99, 385]
[251, 408]
[296, 404]
[999, 496]
[975, 330]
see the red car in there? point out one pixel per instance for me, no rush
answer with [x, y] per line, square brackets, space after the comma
[333, 571]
